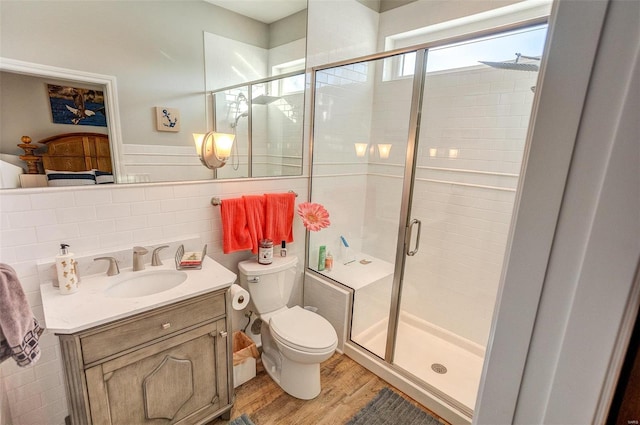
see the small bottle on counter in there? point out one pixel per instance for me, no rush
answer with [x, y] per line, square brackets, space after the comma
[283, 249]
[67, 268]
[328, 262]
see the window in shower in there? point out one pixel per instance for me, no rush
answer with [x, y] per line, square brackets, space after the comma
[425, 203]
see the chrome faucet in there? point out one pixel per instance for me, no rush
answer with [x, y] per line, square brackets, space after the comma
[113, 265]
[155, 257]
[138, 258]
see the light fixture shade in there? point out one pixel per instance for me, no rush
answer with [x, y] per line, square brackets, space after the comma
[198, 138]
[361, 149]
[214, 149]
[384, 149]
[223, 143]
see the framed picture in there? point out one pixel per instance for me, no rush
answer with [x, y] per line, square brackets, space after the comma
[77, 106]
[167, 119]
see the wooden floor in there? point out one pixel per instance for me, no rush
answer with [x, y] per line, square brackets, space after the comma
[346, 388]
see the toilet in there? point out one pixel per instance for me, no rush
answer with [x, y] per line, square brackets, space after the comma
[294, 340]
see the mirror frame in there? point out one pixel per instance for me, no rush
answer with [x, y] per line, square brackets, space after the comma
[111, 98]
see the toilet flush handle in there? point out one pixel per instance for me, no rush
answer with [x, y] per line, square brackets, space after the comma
[254, 279]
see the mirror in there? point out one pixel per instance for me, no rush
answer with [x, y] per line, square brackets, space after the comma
[154, 54]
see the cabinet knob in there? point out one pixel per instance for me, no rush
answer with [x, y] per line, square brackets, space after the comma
[223, 334]
[166, 325]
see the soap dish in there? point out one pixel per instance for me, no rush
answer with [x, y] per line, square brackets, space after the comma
[189, 260]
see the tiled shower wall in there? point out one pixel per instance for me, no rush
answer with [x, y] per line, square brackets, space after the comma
[471, 143]
[100, 219]
[472, 140]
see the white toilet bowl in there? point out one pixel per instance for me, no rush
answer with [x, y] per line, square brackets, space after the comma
[294, 340]
[304, 339]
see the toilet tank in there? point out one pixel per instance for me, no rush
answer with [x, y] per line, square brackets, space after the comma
[269, 285]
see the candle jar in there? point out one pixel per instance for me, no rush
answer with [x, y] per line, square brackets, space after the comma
[265, 251]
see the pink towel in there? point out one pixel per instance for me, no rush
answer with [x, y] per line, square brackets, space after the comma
[19, 329]
[235, 234]
[254, 208]
[279, 217]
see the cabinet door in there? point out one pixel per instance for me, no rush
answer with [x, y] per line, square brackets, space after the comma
[180, 380]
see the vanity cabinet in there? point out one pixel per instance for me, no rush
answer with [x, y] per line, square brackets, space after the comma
[168, 365]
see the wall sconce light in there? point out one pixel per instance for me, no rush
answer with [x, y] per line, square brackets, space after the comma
[453, 153]
[214, 149]
[433, 152]
[384, 150]
[361, 149]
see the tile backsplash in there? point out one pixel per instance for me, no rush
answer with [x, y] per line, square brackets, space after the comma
[95, 221]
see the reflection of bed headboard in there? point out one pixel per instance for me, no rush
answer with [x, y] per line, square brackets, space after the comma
[77, 152]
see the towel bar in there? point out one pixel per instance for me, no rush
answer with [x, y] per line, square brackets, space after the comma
[217, 201]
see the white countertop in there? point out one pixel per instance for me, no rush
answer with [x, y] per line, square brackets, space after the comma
[89, 306]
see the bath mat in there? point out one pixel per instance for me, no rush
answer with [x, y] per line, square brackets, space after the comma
[241, 420]
[390, 408]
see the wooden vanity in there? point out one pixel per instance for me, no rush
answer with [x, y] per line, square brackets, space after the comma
[159, 359]
[168, 365]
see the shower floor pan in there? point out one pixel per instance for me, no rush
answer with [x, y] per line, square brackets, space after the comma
[422, 349]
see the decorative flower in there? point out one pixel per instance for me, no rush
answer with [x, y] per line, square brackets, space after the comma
[314, 216]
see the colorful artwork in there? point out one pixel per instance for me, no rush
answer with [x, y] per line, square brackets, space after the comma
[72, 105]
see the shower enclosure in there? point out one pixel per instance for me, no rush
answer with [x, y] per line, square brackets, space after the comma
[266, 118]
[416, 155]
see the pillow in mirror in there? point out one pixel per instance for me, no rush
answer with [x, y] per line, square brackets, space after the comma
[103, 177]
[70, 178]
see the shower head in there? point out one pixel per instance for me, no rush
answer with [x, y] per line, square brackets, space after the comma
[242, 115]
[513, 66]
[264, 99]
[516, 65]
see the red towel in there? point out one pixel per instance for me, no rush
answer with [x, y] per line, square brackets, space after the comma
[235, 234]
[279, 217]
[19, 329]
[254, 208]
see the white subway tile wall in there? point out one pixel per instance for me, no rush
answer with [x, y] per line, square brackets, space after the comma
[92, 220]
[472, 137]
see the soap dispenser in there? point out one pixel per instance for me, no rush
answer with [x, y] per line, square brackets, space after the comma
[67, 268]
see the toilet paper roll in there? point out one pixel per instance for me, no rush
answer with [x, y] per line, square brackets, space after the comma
[239, 297]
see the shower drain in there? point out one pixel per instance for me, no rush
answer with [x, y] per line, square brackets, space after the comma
[438, 368]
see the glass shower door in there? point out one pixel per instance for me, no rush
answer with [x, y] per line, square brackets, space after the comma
[361, 126]
[476, 105]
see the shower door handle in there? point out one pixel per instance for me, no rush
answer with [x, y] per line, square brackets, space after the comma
[410, 233]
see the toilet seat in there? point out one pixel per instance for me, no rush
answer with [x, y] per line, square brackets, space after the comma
[303, 330]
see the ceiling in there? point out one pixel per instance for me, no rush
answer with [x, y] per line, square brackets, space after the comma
[266, 11]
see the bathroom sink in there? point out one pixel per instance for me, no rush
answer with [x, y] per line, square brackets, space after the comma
[145, 283]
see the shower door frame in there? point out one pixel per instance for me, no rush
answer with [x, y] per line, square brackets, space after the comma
[422, 391]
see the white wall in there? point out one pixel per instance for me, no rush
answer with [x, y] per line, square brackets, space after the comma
[155, 51]
[5, 418]
[34, 222]
[339, 30]
[569, 295]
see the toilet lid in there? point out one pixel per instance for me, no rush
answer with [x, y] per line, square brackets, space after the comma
[303, 329]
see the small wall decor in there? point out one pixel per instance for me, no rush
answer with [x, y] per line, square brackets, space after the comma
[77, 106]
[167, 119]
